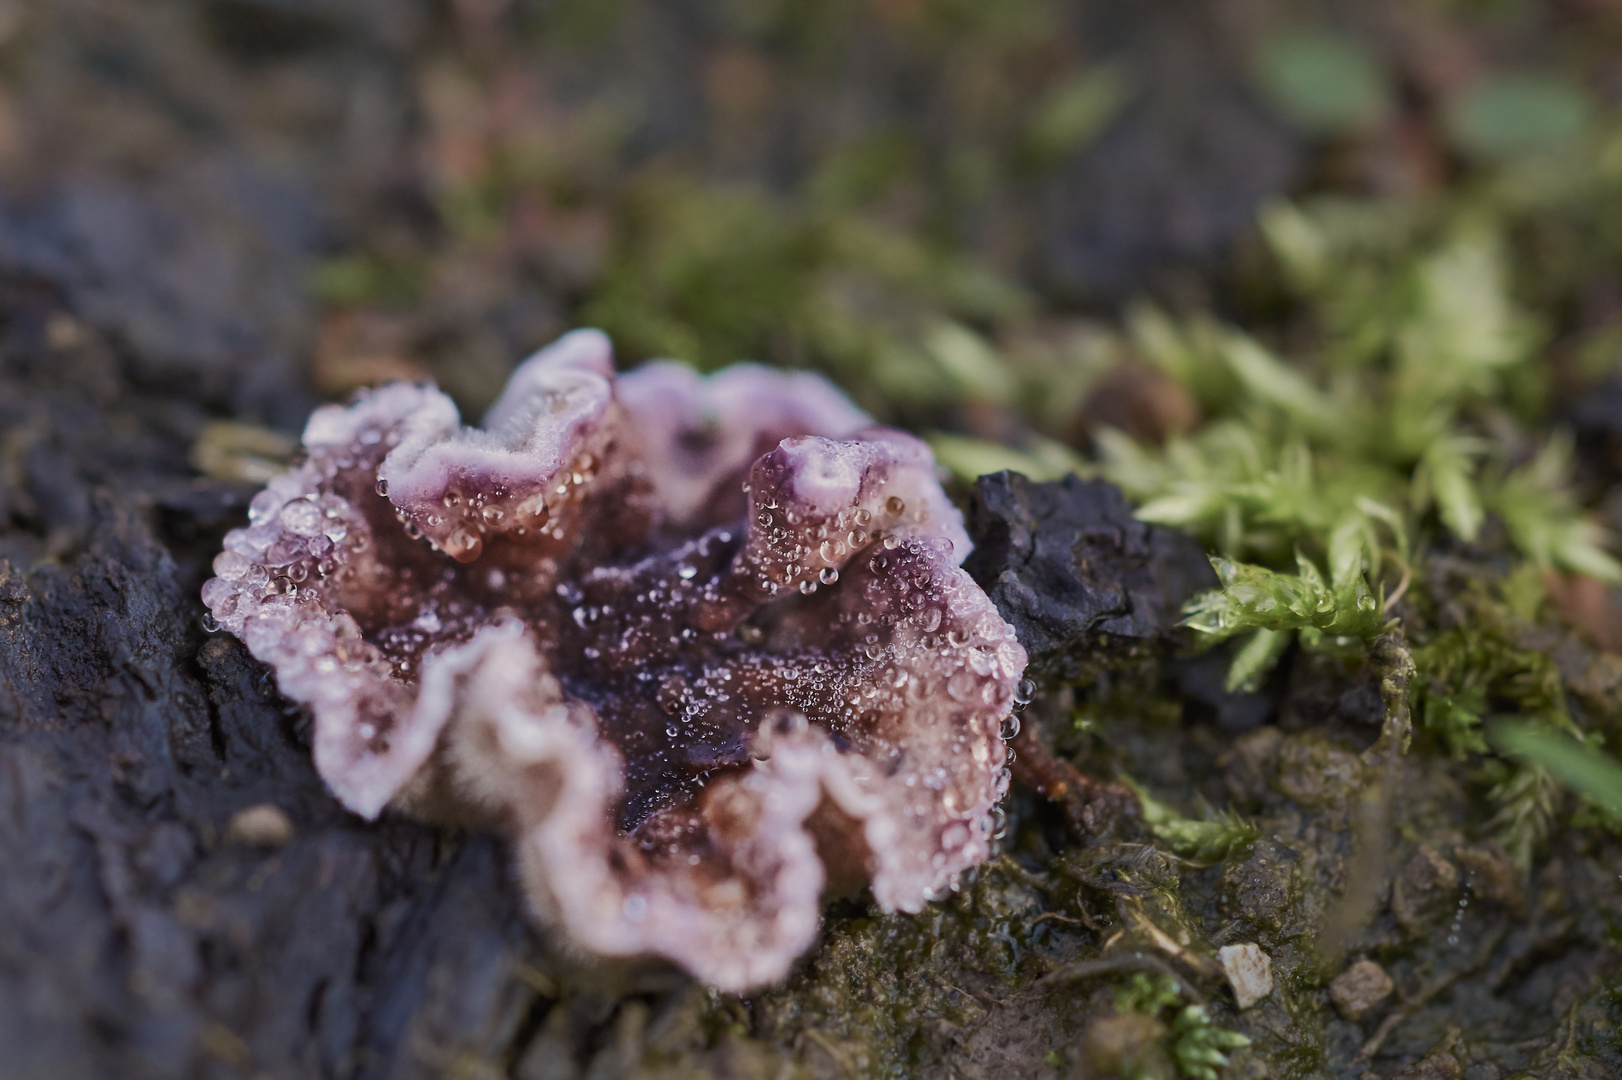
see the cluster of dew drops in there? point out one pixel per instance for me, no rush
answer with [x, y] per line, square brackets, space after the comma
[295, 533]
[847, 532]
[851, 531]
[483, 511]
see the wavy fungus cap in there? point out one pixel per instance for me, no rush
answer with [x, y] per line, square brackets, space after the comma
[701, 645]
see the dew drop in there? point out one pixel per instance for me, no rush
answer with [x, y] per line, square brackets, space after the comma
[1024, 693]
[301, 518]
[264, 504]
[687, 573]
[895, 504]
[382, 487]
[828, 575]
[670, 694]
[230, 565]
[808, 587]
[210, 624]
[464, 545]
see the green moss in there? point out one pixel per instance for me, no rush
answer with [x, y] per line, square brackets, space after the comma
[715, 275]
[880, 984]
[1201, 841]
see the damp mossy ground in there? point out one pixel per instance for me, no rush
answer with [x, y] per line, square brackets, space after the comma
[1334, 290]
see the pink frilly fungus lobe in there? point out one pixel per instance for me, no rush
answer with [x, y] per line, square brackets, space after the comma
[702, 646]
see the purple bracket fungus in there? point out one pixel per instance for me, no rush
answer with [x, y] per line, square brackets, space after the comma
[702, 646]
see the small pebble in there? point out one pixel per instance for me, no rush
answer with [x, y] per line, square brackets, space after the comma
[260, 825]
[1360, 988]
[1249, 971]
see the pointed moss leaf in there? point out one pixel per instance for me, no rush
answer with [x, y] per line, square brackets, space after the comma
[1351, 545]
[1545, 522]
[1513, 115]
[1181, 508]
[1255, 659]
[1204, 841]
[1299, 244]
[1526, 801]
[1323, 82]
[1186, 350]
[966, 459]
[1449, 471]
[1461, 335]
[969, 362]
[1467, 326]
[1388, 516]
[1074, 114]
[1578, 766]
[1199, 1046]
[1268, 379]
[1135, 469]
[1159, 340]
[1576, 545]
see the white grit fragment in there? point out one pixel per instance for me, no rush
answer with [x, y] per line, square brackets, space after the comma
[1249, 971]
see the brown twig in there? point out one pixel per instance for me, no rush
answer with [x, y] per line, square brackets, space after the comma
[1090, 807]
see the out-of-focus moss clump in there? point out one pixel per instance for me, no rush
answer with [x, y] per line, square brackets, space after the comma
[714, 275]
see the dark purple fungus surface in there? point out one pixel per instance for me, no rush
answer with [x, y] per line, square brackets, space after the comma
[701, 645]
